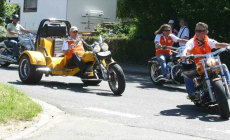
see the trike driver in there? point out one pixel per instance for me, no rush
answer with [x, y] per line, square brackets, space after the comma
[74, 53]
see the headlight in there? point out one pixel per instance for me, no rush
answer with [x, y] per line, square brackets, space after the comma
[97, 48]
[211, 62]
[104, 47]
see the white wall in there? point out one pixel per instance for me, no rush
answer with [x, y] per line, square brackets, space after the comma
[72, 10]
[77, 8]
[45, 9]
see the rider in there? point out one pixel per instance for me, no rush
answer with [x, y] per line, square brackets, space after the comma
[201, 44]
[164, 37]
[74, 53]
[13, 30]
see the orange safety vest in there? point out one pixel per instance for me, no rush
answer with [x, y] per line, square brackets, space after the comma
[163, 42]
[200, 50]
[78, 48]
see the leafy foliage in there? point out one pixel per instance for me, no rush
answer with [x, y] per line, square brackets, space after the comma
[152, 13]
[118, 29]
[6, 10]
[3, 33]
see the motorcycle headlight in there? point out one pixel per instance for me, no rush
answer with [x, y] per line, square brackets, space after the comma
[105, 47]
[97, 48]
[211, 62]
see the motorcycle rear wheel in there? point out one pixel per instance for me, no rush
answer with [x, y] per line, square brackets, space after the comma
[155, 71]
[221, 99]
[117, 79]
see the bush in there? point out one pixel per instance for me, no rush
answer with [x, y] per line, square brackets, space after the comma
[119, 29]
[128, 51]
[3, 33]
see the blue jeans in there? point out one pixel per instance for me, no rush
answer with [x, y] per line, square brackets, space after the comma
[14, 44]
[190, 87]
[162, 59]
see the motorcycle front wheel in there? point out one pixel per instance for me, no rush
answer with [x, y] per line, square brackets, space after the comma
[155, 71]
[221, 99]
[116, 79]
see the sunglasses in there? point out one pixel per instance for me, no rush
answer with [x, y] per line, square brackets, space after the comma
[75, 31]
[167, 30]
[199, 31]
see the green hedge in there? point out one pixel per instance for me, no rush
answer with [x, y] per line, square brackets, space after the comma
[129, 51]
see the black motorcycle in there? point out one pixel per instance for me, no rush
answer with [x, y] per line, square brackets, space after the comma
[173, 66]
[210, 81]
[26, 42]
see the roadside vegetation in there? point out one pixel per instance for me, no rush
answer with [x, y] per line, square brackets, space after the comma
[15, 105]
[132, 37]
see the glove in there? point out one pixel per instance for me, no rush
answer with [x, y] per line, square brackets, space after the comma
[158, 45]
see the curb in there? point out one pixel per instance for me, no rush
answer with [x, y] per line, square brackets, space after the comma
[48, 112]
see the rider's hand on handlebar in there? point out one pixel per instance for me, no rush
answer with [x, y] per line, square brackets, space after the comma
[158, 45]
[164, 47]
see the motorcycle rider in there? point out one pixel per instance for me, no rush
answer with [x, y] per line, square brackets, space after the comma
[201, 44]
[164, 37]
[74, 53]
[13, 30]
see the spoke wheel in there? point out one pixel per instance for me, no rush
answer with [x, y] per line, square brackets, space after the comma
[155, 71]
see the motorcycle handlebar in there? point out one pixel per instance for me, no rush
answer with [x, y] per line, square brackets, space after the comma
[209, 54]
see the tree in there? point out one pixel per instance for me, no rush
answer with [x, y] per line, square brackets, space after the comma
[2, 11]
[150, 14]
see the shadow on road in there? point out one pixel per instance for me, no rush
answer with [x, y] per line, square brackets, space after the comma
[193, 112]
[76, 87]
[145, 83]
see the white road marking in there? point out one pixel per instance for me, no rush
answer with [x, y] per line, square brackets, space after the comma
[222, 131]
[113, 112]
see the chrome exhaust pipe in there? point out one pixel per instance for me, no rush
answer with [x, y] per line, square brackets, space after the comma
[7, 59]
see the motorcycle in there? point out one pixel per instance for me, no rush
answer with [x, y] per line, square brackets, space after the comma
[210, 81]
[26, 42]
[173, 66]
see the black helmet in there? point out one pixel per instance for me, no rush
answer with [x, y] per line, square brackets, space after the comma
[15, 16]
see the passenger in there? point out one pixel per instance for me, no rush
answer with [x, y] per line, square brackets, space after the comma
[14, 29]
[164, 37]
[74, 53]
[201, 44]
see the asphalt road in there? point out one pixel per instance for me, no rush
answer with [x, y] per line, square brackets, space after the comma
[144, 111]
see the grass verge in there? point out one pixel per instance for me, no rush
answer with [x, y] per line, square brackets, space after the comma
[15, 105]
